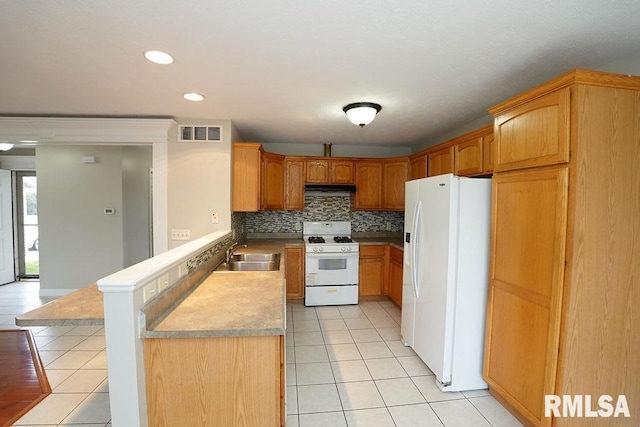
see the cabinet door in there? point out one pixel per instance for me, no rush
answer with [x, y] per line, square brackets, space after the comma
[368, 194]
[395, 175]
[272, 181]
[294, 272]
[247, 187]
[294, 176]
[318, 171]
[440, 161]
[341, 172]
[395, 275]
[528, 234]
[534, 134]
[372, 270]
[487, 152]
[468, 157]
[418, 167]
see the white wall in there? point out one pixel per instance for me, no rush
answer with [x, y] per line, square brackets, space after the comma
[199, 176]
[626, 65]
[136, 199]
[336, 150]
[79, 244]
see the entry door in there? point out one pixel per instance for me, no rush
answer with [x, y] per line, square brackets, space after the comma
[7, 270]
[28, 244]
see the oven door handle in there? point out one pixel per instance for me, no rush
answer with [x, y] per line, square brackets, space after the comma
[333, 254]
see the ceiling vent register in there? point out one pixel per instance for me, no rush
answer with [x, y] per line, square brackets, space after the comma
[195, 133]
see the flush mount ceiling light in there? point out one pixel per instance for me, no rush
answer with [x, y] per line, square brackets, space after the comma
[158, 57]
[192, 96]
[362, 113]
[5, 146]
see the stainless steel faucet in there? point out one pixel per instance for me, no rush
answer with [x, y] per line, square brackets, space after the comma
[231, 250]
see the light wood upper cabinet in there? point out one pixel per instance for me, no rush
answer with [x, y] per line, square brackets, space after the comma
[487, 152]
[329, 171]
[534, 134]
[395, 173]
[341, 172]
[272, 181]
[418, 166]
[368, 194]
[294, 177]
[440, 161]
[564, 273]
[468, 157]
[318, 171]
[247, 177]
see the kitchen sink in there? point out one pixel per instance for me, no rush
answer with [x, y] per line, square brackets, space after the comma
[256, 257]
[254, 262]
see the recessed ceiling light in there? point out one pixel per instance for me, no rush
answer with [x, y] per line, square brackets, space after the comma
[192, 96]
[158, 57]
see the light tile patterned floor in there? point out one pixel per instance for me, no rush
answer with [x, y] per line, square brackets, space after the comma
[346, 366]
[75, 364]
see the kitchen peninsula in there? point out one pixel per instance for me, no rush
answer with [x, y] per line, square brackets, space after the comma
[219, 354]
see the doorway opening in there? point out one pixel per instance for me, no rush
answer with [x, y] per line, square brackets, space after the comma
[28, 253]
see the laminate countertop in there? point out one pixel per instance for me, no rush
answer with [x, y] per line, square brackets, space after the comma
[232, 303]
[79, 308]
[225, 303]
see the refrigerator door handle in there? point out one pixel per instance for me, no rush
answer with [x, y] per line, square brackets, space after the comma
[415, 247]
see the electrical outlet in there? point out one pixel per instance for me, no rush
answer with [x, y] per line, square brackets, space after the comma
[163, 282]
[183, 234]
[296, 226]
[183, 270]
[149, 291]
[388, 226]
[214, 217]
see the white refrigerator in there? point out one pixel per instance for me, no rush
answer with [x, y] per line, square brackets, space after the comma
[445, 276]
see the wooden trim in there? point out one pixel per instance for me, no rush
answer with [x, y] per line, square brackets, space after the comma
[589, 77]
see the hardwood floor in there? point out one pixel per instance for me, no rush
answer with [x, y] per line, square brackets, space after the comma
[23, 382]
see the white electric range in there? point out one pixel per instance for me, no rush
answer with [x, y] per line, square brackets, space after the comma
[331, 263]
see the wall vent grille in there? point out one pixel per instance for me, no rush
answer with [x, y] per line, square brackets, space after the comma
[195, 133]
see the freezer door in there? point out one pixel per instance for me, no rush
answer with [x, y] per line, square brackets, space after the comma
[435, 302]
[408, 272]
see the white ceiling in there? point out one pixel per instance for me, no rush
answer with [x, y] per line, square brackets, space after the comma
[283, 70]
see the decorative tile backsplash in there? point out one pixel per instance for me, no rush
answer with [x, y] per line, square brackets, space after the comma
[324, 208]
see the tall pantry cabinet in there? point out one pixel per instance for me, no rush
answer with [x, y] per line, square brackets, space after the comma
[564, 303]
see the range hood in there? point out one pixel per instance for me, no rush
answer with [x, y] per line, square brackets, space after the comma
[330, 188]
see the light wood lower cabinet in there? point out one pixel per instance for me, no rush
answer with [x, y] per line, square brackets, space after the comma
[372, 275]
[294, 272]
[395, 275]
[217, 381]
